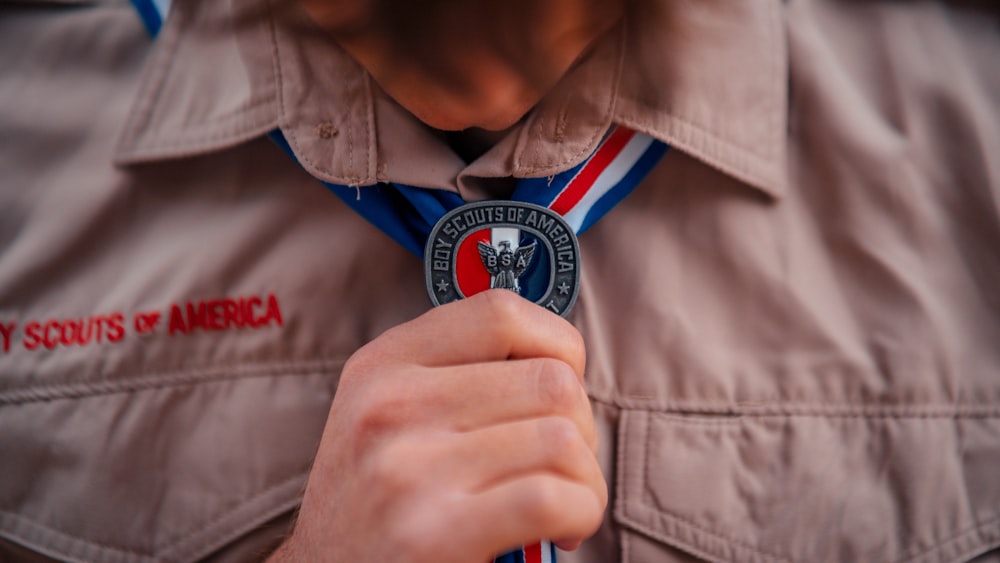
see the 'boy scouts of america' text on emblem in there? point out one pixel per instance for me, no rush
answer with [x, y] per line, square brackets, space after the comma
[521, 247]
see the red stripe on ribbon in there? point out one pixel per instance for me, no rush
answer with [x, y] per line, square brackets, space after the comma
[533, 553]
[578, 187]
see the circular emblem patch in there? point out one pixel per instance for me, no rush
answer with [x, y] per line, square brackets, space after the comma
[522, 247]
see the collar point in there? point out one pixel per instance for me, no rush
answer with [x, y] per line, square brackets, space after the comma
[762, 169]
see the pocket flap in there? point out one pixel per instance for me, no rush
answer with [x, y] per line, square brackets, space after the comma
[811, 488]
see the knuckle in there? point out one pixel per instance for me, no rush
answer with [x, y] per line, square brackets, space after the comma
[504, 309]
[389, 470]
[560, 438]
[576, 346]
[558, 387]
[544, 505]
[378, 409]
[601, 491]
[591, 519]
[415, 538]
[355, 366]
[503, 303]
[382, 351]
[369, 423]
[368, 361]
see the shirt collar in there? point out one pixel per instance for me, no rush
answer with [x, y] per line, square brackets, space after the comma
[708, 78]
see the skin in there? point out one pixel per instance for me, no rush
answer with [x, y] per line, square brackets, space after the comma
[470, 63]
[467, 431]
[454, 437]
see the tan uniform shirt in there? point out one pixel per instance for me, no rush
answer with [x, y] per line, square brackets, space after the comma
[793, 324]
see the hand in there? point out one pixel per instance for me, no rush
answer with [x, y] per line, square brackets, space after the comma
[454, 437]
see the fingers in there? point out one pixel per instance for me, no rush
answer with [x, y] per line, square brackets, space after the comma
[521, 511]
[491, 393]
[491, 326]
[503, 452]
[484, 491]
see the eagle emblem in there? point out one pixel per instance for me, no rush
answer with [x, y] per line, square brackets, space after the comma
[526, 248]
[505, 265]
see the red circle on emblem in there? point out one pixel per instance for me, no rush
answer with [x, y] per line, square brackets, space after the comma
[470, 273]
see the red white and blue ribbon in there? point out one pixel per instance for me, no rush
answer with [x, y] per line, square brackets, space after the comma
[586, 193]
[582, 194]
[407, 214]
[541, 552]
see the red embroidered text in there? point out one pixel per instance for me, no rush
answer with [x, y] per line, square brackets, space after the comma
[207, 315]
[223, 314]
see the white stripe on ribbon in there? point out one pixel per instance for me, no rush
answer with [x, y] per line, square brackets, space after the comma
[547, 552]
[609, 178]
[541, 552]
[162, 8]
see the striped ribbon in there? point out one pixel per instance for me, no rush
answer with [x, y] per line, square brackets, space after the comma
[541, 552]
[582, 195]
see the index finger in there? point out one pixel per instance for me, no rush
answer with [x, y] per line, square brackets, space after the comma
[495, 325]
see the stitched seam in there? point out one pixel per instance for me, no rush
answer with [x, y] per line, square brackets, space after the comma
[913, 554]
[178, 378]
[139, 141]
[290, 133]
[774, 33]
[231, 120]
[350, 144]
[707, 148]
[252, 103]
[244, 527]
[276, 62]
[791, 409]
[607, 114]
[689, 546]
[774, 70]
[625, 421]
[180, 539]
[940, 546]
[303, 157]
[151, 113]
[647, 494]
[235, 133]
[909, 555]
[727, 422]
[626, 546]
[225, 512]
[370, 128]
[647, 462]
[224, 126]
[39, 527]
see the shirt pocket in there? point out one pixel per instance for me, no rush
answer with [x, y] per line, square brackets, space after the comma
[171, 466]
[807, 487]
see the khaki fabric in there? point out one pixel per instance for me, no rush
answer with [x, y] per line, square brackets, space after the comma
[793, 324]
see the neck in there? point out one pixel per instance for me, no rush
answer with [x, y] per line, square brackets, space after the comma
[472, 143]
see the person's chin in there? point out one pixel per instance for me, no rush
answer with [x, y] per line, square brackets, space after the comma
[490, 115]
